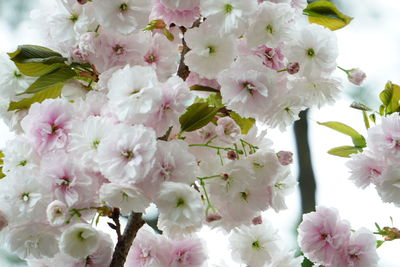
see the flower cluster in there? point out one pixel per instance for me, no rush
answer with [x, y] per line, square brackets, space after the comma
[327, 240]
[378, 163]
[156, 102]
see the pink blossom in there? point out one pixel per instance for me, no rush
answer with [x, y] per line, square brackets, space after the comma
[227, 130]
[112, 49]
[148, 249]
[285, 157]
[179, 17]
[188, 253]
[272, 57]
[68, 182]
[356, 76]
[47, 125]
[257, 220]
[321, 234]
[360, 251]
[365, 169]
[194, 79]
[384, 139]
[161, 55]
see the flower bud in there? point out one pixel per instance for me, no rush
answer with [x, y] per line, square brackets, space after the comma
[82, 2]
[285, 157]
[213, 217]
[257, 220]
[293, 68]
[356, 76]
[232, 155]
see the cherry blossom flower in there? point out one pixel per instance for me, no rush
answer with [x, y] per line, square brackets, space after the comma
[209, 53]
[79, 240]
[123, 16]
[321, 234]
[48, 124]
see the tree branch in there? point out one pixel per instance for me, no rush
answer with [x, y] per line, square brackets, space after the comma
[134, 223]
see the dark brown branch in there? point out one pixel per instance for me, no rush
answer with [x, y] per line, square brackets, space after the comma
[183, 70]
[115, 217]
[134, 223]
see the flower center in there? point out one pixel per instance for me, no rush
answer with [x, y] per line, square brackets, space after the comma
[228, 8]
[119, 50]
[248, 86]
[269, 29]
[211, 49]
[310, 52]
[123, 7]
[256, 245]
[95, 143]
[180, 202]
[23, 163]
[128, 154]
[25, 197]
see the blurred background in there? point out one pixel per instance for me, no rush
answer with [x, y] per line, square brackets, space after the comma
[372, 43]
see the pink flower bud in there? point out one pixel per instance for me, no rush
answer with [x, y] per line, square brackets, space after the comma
[232, 155]
[257, 220]
[285, 157]
[3, 221]
[82, 2]
[213, 217]
[356, 76]
[293, 68]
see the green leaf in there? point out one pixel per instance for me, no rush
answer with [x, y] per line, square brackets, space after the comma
[360, 106]
[50, 80]
[325, 13]
[245, 124]
[344, 151]
[379, 243]
[358, 139]
[197, 116]
[390, 98]
[214, 100]
[33, 60]
[372, 117]
[202, 88]
[366, 120]
[2, 175]
[51, 92]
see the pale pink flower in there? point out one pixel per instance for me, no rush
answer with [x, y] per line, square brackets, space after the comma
[389, 185]
[285, 157]
[148, 249]
[246, 85]
[195, 79]
[122, 16]
[126, 154]
[161, 54]
[321, 234]
[365, 168]
[227, 130]
[47, 125]
[114, 50]
[272, 57]
[176, 96]
[360, 251]
[174, 163]
[67, 180]
[385, 138]
[179, 17]
[103, 255]
[189, 252]
[356, 76]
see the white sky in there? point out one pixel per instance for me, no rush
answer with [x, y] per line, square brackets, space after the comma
[371, 42]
